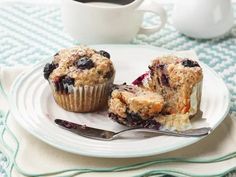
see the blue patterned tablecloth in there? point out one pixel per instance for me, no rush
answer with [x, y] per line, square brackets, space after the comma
[30, 33]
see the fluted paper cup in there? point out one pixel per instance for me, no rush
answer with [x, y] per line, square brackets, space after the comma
[81, 99]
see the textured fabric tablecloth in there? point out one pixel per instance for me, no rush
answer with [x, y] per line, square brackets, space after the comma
[31, 33]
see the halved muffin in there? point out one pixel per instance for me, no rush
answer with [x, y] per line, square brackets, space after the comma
[179, 82]
[134, 106]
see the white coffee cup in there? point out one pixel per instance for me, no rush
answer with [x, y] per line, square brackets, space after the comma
[203, 18]
[94, 23]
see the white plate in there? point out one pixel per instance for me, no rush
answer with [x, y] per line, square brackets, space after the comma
[31, 102]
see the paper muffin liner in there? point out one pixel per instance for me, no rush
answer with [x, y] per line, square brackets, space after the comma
[195, 98]
[81, 99]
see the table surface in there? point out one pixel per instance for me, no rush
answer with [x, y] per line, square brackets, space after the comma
[29, 34]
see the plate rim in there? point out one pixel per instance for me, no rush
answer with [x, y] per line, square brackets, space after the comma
[14, 110]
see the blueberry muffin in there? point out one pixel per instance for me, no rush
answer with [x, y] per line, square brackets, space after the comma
[134, 106]
[179, 81]
[80, 78]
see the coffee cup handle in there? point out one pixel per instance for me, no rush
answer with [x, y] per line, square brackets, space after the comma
[153, 7]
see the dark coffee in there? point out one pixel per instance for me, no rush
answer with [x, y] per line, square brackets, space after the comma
[119, 2]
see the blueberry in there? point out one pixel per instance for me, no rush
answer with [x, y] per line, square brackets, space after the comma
[48, 68]
[68, 80]
[133, 119]
[151, 123]
[189, 63]
[66, 90]
[109, 74]
[139, 80]
[84, 63]
[104, 53]
[151, 70]
[165, 80]
[161, 66]
[60, 82]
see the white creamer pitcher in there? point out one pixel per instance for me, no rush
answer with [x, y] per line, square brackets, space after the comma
[203, 18]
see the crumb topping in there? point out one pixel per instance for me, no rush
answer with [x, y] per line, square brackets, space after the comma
[84, 65]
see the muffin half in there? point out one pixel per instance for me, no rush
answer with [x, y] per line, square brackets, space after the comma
[134, 106]
[179, 81]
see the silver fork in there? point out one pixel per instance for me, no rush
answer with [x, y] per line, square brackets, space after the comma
[100, 134]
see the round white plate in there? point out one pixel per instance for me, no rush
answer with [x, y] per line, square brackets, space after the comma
[34, 108]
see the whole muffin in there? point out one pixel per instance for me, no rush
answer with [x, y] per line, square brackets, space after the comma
[80, 78]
